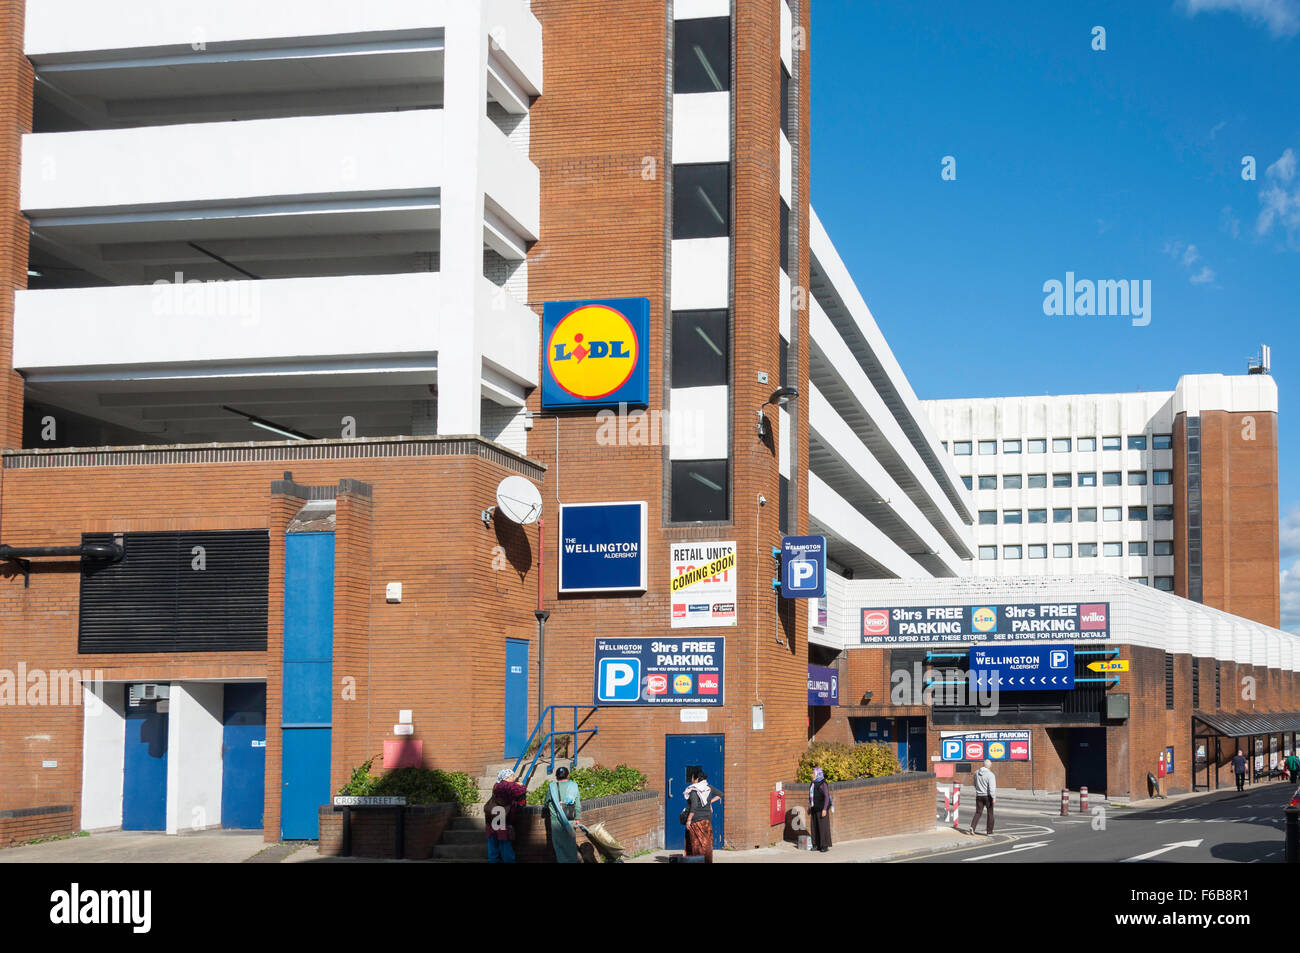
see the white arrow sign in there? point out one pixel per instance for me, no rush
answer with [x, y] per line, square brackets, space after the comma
[1015, 850]
[1163, 850]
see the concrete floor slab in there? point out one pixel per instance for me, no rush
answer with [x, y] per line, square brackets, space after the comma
[136, 847]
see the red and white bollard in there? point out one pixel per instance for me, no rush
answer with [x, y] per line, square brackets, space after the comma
[956, 802]
[1083, 800]
[1065, 802]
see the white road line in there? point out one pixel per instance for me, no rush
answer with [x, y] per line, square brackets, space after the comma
[1163, 850]
[1003, 853]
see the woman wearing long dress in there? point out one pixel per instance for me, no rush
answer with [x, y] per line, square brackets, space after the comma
[563, 793]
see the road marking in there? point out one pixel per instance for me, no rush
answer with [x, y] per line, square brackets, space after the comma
[1003, 853]
[1163, 850]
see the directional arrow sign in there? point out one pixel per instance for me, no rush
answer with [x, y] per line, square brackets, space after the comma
[1019, 848]
[1023, 667]
[1118, 665]
[1163, 850]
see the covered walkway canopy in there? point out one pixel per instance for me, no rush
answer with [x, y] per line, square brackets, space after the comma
[1210, 728]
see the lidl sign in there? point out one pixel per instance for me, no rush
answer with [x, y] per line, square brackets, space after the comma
[597, 353]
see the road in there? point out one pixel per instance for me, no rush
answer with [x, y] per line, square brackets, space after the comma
[1224, 827]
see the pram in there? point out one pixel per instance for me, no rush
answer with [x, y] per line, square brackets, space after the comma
[604, 842]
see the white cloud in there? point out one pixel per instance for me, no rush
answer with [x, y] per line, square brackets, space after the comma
[1279, 196]
[1282, 17]
[1229, 222]
[1289, 531]
[1187, 256]
[1203, 277]
[1291, 598]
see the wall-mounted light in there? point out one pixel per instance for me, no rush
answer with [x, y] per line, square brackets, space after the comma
[781, 397]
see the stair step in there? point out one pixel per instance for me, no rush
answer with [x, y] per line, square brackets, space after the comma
[474, 824]
[476, 836]
[462, 851]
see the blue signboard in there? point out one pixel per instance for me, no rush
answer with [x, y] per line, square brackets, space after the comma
[602, 547]
[1023, 668]
[668, 671]
[1026, 622]
[803, 567]
[1009, 745]
[596, 353]
[823, 685]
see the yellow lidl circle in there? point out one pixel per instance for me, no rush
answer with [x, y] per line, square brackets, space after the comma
[984, 620]
[997, 750]
[592, 352]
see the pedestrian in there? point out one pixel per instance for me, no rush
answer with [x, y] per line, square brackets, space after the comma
[986, 792]
[700, 798]
[820, 803]
[563, 807]
[1239, 769]
[1293, 766]
[499, 817]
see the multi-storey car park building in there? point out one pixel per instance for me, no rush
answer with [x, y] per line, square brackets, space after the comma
[275, 324]
[1174, 489]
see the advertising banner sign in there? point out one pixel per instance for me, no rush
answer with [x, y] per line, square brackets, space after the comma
[1025, 622]
[823, 685]
[596, 353]
[1023, 668]
[702, 582]
[1012, 745]
[602, 547]
[660, 671]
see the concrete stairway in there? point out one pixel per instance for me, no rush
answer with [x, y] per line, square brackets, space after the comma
[539, 778]
[464, 841]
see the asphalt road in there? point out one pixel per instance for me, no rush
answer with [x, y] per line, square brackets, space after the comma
[1224, 827]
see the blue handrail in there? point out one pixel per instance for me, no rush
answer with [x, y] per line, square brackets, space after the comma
[548, 739]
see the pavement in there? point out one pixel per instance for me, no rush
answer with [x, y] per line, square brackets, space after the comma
[141, 847]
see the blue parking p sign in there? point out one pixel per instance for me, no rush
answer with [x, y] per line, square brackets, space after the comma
[619, 680]
[803, 567]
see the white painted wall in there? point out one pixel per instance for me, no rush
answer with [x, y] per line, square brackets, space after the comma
[194, 762]
[103, 755]
[701, 273]
[696, 9]
[698, 423]
[701, 127]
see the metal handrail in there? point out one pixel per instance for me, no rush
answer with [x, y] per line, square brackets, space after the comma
[549, 739]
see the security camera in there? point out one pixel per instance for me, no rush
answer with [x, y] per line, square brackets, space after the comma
[762, 500]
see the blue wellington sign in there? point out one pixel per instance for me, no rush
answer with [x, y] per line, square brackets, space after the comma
[603, 547]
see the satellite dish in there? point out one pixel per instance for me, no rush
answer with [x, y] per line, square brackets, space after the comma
[519, 500]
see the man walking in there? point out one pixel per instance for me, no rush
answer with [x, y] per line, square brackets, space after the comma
[1293, 766]
[986, 791]
[1239, 769]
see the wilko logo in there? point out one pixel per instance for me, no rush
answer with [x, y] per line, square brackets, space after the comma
[974, 751]
[679, 610]
[1020, 751]
[656, 684]
[595, 352]
[1092, 617]
[682, 685]
[875, 622]
[708, 684]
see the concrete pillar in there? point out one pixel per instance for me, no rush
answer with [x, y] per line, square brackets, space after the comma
[103, 754]
[194, 736]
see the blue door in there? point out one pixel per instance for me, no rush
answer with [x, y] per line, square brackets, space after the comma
[307, 710]
[681, 753]
[243, 756]
[916, 749]
[516, 697]
[144, 769]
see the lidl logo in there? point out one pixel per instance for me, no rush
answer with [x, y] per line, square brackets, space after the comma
[682, 685]
[997, 751]
[984, 619]
[595, 353]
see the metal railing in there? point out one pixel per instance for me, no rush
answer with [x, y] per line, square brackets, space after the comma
[548, 739]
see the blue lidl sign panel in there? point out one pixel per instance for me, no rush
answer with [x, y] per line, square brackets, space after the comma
[1023, 668]
[602, 547]
[667, 671]
[803, 567]
[596, 353]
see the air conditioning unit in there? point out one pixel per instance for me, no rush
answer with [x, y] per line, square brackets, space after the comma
[149, 691]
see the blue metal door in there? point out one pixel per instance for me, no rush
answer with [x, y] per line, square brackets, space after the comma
[916, 749]
[243, 756]
[144, 768]
[305, 725]
[516, 697]
[681, 753]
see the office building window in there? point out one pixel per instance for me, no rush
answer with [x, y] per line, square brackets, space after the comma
[969, 483]
[988, 552]
[1163, 513]
[1137, 443]
[1087, 550]
[1165, 583]
[988, 447]
[1140, 580]
[1137, 478]
[784, 358]
[944, 444]
[1162, 477]
[1013, 516]
[1038, 446]
[700, 348]
[961, 448]
[1137, 512]
[1010, 552]
[988, 517]
[1038, 516]
[1087, 444]
[1110, 443]
[702, 55]
[1062, 515]
[1062, 550]
[1112, 514]
[1038, 551]
[1164, 547]
[1137, 549]
[785, 237]
[1112, 549]
[1011, 481]
[1112, 478]
[988, 483]
[699, 491]
[1060, 445]
[1162, 441]
[1087, 514]
[1010, 446]
[1088, 479]
[702, 200]
[1061, 479]
[1037, 481]
[785, 100]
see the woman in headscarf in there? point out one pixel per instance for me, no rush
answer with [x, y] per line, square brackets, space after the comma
[564, 806]
[819, 807]
[499, 817]
[700, 798]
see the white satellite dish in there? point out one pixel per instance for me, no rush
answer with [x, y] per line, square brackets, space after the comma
[519, 500]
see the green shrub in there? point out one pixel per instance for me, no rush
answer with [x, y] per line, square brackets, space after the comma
[596, 782]
[843, 762]
[417, 785]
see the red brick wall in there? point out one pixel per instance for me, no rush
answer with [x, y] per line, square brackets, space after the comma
[374, 834]
[15, 119]
[875, 807]
[20, 830]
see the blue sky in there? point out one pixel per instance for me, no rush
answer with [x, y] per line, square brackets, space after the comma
[1122, 163]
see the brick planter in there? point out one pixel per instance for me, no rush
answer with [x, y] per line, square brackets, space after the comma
[871, 807]
[20, 825]
[373, 833]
